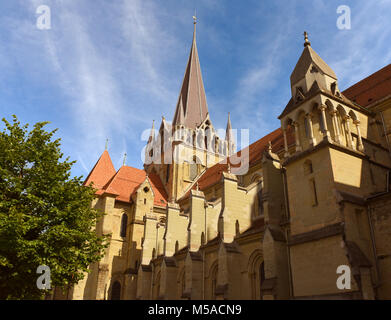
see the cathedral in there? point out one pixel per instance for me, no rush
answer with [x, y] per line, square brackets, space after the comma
[278, 219]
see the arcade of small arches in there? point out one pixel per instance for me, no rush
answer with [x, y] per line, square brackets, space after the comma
[317, 121]
[204, 138]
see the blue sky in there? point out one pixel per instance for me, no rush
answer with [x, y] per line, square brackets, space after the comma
[106, 69]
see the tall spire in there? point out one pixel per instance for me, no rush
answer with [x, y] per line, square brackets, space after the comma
[192, 96]
[152, 134]
[228, 136]
[228, 131]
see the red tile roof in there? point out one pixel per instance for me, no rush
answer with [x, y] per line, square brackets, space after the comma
[256, 149]
[371, 89]
[124, 182]
[127, 180]
[102, 172]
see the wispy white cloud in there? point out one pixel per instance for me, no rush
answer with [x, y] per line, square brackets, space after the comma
[118, 65]
[363, 49]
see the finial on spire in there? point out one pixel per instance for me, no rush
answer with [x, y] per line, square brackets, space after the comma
[107, 142]
[195, 17]
[124, 158]
[306, 41]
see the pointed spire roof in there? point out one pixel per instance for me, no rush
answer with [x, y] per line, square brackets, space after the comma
[192, 98]
[152, 134]
[228, 131]
[181, 115]
[102, 172]
[308, 57]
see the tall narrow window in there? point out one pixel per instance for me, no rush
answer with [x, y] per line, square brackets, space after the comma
[307, 127]
[124, 223]
[237, 228]
[200, 140]
[260, 201]
[192, 171]
[321, 124]
[193, 168]
[314, 196]
[308, 169]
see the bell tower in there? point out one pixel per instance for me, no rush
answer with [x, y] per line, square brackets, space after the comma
[184, 149]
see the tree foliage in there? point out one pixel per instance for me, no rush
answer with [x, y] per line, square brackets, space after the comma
[45, 215]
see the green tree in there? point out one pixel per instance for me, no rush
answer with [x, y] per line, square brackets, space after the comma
[45, 215]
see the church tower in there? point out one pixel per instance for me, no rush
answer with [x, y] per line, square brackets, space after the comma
[330, 172]
[182, 150]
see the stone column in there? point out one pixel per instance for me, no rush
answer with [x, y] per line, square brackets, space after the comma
[349, 135]
[286, 154]
[336, 126]
[360, 144]
[311, 131]
[326, 132]
[298, 146]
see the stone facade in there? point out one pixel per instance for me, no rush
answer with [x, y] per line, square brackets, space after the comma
[315, 197]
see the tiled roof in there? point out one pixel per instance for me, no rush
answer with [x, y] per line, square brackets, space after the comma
[102, 172]
[255, 151]
[158, 189]
[124, 182]
[371, 89]
[308, 57]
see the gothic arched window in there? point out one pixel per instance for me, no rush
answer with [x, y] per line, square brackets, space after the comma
[176, 246]
[307, 127]
[237, 227]
[321, 124]
[308, 167]
[193, 168]
[124, 223]
[260, 201]
[202, 238]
